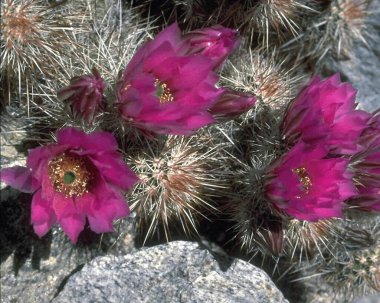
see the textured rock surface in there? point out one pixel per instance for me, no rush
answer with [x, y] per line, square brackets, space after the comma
[363, 68]
[368, 299]
[13, 131]
[32, 269]
[174, 272]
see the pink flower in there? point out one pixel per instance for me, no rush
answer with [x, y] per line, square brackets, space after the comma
[216, 42]
[366, 167]
[81, 176]
[325, 112]
[231, 104]
[85, 95]
[165, 90]
[307, 185]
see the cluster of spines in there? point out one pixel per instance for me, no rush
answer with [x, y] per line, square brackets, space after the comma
[178, 180]
[352, 268]
[262, 74]
[35, 41]
[330, 34]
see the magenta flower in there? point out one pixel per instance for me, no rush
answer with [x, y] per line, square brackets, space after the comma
[307, 185]
[165, 90]
[325, 112]
[81, 176]
[84, 95]
[231, 104]
[216, 42]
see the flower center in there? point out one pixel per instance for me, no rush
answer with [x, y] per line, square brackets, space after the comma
[70, 175]
[303, 177]
[163, 92]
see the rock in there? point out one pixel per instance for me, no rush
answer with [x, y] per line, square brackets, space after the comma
[363, 67]
[368, 299]
[13, 128]
[33, 270]
[173, 272]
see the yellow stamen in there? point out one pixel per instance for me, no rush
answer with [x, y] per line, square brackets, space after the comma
[163, 92]
[304, 178]
[69, 175]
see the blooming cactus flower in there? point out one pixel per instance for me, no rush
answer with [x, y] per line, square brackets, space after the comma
[325, 111]
[231, 104]
[307, 186]
[84, 95]
[81, 176]
[166, 88]
[216, 42]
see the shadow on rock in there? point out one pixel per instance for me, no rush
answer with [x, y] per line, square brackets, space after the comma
[16, 232]
[18, 238]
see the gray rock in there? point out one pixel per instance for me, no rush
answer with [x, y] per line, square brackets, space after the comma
[13, 128]
[368, 299]
[363, 67]
[174, 272]
[33, 270]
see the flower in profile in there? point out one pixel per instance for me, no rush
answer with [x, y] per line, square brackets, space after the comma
[325, 112]
[84, 95]
[231, 104]
[216, 43]
[164, 89]
[307, 185]
[81, 176]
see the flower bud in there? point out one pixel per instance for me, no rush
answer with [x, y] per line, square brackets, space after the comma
[232, 103]
[84, 95]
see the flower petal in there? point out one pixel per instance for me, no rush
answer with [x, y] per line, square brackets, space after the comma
[20, 178]
[109, 206]
[63, 206]
[42, 215]
[115, 170]
[41, 229]
[170, 34]
[39, 157]
[97, 141]
[72, 226]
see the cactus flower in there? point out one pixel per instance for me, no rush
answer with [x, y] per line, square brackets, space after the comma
[80, 177]
[307, 185]
[325, 112]
[165, 90]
